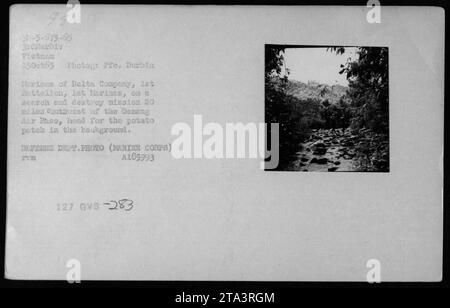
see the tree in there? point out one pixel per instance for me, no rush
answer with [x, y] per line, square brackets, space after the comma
[274, 60]
[280, 107]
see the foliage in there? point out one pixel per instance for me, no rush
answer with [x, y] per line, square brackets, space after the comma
[280, 107]
[274, 61]
[335, 116]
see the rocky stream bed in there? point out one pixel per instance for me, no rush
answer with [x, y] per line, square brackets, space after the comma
[332, 150]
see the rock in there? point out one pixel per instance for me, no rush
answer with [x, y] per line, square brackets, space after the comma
[332, 169]
[320, 151]
[348, 143]
[304, 159]
[320, 161]
[337, 163]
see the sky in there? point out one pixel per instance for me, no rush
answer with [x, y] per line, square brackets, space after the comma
[317, 64]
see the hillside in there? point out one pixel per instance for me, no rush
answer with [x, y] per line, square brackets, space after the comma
[315, 90]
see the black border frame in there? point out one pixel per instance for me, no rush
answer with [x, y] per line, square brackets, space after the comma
[165, 291]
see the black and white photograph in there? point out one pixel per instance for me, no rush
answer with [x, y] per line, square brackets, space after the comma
[332, 105]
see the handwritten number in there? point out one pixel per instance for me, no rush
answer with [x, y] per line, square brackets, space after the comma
[112, 202]
[126, 204]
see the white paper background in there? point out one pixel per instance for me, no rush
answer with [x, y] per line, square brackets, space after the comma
[227, 219]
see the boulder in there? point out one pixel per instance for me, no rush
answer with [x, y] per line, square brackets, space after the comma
[319, 145]
[320, 151]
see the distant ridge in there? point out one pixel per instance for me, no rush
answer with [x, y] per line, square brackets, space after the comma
[316, 90]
